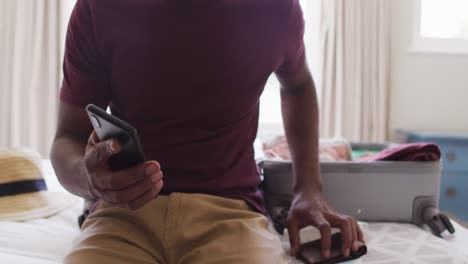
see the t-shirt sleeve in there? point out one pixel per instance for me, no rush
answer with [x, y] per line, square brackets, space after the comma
[86, 76]
[294, 49]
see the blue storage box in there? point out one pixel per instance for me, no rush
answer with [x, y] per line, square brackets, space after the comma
[454, 194]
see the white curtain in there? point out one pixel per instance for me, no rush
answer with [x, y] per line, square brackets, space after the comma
[355, 68]
[30, 72]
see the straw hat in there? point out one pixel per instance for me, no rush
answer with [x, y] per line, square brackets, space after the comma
[23, 192]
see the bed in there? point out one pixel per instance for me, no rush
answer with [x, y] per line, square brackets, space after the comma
[46, 241]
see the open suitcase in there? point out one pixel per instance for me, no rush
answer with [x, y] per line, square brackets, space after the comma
[383, 191]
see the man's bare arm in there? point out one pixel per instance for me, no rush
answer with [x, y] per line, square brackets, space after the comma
[301, 121]
[68, 149]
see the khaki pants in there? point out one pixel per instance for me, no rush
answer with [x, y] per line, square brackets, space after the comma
[179, 228]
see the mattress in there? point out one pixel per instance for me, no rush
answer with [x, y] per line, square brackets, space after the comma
[46, 241]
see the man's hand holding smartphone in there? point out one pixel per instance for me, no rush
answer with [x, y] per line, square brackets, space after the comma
[130, 188]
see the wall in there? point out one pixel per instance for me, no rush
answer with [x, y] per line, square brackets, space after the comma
[429, 91]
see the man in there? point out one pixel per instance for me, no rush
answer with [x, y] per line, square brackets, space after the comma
[188, 75]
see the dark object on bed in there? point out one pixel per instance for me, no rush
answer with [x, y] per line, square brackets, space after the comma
[89, 206]
[82, 218]
[310, 253]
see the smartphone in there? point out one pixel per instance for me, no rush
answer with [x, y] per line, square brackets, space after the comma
[311, 253]
[108, 126]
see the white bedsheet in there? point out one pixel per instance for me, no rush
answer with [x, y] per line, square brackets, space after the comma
[46, 241]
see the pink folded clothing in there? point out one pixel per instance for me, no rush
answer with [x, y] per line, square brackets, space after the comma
[335, 149]
[406, 152]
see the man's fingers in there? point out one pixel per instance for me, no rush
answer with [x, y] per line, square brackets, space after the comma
[325, 233]
[293, 233]
[147, 196]
[101, 152]
[341, 221]
[353, 224]
[360, 234]
[129, 194]
[123, 179]
[93, 139]
[346, 236]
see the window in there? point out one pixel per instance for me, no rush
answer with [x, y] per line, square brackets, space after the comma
[441, 26]
[444, 19]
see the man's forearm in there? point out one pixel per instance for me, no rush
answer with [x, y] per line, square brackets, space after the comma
[67, 159]
[301, 121]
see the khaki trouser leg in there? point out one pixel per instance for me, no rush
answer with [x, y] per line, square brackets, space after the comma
[122, 236]
[210, 229]
[177, 229]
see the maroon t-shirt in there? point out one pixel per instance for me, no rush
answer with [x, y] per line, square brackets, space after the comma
[187, 74]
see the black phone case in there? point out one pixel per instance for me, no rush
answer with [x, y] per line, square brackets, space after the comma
[108, 126]
[310, 253]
